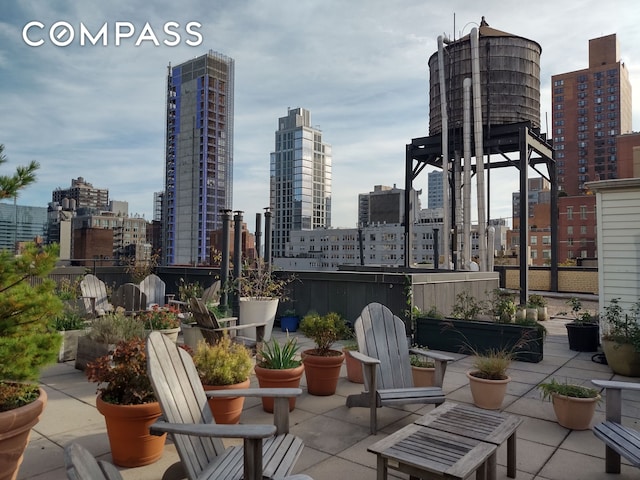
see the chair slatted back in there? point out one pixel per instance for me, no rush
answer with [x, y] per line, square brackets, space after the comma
[182, 399]
[92, 287]
[154, 288]
[81, 465]
[382, 335]
[130, 297]
[205, 321]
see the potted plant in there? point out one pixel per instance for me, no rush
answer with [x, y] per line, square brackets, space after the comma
[583, 331]
[538, 302]
[164, 319]
[103, 334]
[128, 403]
[621, 338]
[322, 364]
[503, 306]
[27, 343]
[355, 373]
[278, 367]
[289, 321]
[574, 405]
[488, 379]
[467, 307]
[224, 366]
[70, 325]
[422, 368]
[260, 291]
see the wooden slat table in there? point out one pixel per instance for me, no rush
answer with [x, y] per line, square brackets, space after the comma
[424, 451]
[479, 424]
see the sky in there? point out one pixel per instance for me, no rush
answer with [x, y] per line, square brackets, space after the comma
[359, 66]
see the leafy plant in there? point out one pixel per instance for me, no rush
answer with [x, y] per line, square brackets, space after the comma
[220, 311]
[536, 300]
[622, 327]
[160, 318]
[503, 306]
[324, 330]
[276, 357]
[67, 289]
[122, 377]
[225, 363]
[580, 317]
[258, 281]
[188, 290]
[69, 320]
[568, 390]
[433, 312]
[115, 327]
[467, 307]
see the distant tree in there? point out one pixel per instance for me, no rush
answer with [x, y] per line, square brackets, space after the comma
[10, 185]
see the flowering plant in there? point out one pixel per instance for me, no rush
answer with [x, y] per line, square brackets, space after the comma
[161, 318]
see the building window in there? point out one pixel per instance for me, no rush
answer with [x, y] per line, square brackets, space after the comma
[534, 240]
[569, 213]
[570, 230]
[583, 212]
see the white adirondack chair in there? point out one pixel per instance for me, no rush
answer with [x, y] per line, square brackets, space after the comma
[383, 351]
[154, 288]
[94, 294]
[267, 450]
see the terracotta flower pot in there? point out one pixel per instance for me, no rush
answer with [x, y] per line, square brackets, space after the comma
[272, 378]
[487, 394]
[354, 368]
[574, 413]
[15, 430]
[227, 410]
[423, 376]
[128, 429]
[322, 372]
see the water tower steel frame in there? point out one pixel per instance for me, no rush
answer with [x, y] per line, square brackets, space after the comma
[533, 148]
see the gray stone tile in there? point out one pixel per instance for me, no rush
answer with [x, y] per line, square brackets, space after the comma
[328, 434]
[565, 464]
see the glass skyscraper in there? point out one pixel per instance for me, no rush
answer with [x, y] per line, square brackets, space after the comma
[300, 197]
[199, 156]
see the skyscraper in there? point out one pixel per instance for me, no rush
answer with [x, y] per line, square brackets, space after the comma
[199, 155]
[300, 197]
[435, 196]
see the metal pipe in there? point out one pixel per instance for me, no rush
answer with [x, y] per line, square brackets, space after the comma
[237, 258]
[446, 223]
[258, 234]
[224, 264]
[267, 236]
[477, 133]
[466, 135]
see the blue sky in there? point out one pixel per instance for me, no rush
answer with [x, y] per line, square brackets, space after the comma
[360, 67]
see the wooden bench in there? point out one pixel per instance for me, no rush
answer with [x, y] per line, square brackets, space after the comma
[619, 439]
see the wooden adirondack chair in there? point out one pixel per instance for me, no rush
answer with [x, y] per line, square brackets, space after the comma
[211, 293]
[212, 330]
[94, 294]
[384, 353]
[620, 440]
[130, 297]
[154, 288]
[267, 450]
[81, 465]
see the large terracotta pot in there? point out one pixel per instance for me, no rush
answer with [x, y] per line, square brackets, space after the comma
[272, 378]
[487, 394]
[574, 413]
[128, 429]
[227, 410]
[622, 358]
[354, 368]
[258, 310]
[322, 372]
[423, 376]
[15, 430]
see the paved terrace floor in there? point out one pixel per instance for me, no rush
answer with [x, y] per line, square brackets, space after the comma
[336, 438]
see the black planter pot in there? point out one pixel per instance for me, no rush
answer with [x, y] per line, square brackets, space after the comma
[583, 337]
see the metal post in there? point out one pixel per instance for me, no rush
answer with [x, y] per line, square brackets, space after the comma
[224, 265]
[267, 236]
[436, 249]
[237, 258]
[524, 215]
[361, 245]
[258, 234]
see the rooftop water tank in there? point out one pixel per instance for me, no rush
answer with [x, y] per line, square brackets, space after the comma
[509, 77]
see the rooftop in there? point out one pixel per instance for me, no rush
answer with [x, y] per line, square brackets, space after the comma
[336, 438]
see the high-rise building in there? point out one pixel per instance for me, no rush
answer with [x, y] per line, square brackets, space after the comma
[385, 205]
[20, 223]
[591, 108]
[199, 155]
[81, 194]
[435, 196]
[300, 197]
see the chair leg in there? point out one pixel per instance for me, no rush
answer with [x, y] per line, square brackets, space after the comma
[611, 461]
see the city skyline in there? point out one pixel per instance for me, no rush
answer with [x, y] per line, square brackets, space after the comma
[98, 111]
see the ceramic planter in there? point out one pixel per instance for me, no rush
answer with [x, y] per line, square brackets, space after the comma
[289, 323]
[423, 376]
[543, 314]
[622, 358]
[354, 368]
[227, 410]
[273, 378]
[322, 372]
[574, 413]
[258, 310]
[583, 337]
[15, 430]
[128, 429]
[487, 394]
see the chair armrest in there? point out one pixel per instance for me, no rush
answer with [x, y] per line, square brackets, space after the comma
[613, 407]
[616, 385]
[256, 392]
[362, 358]
[433, 355]
[213, 430]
